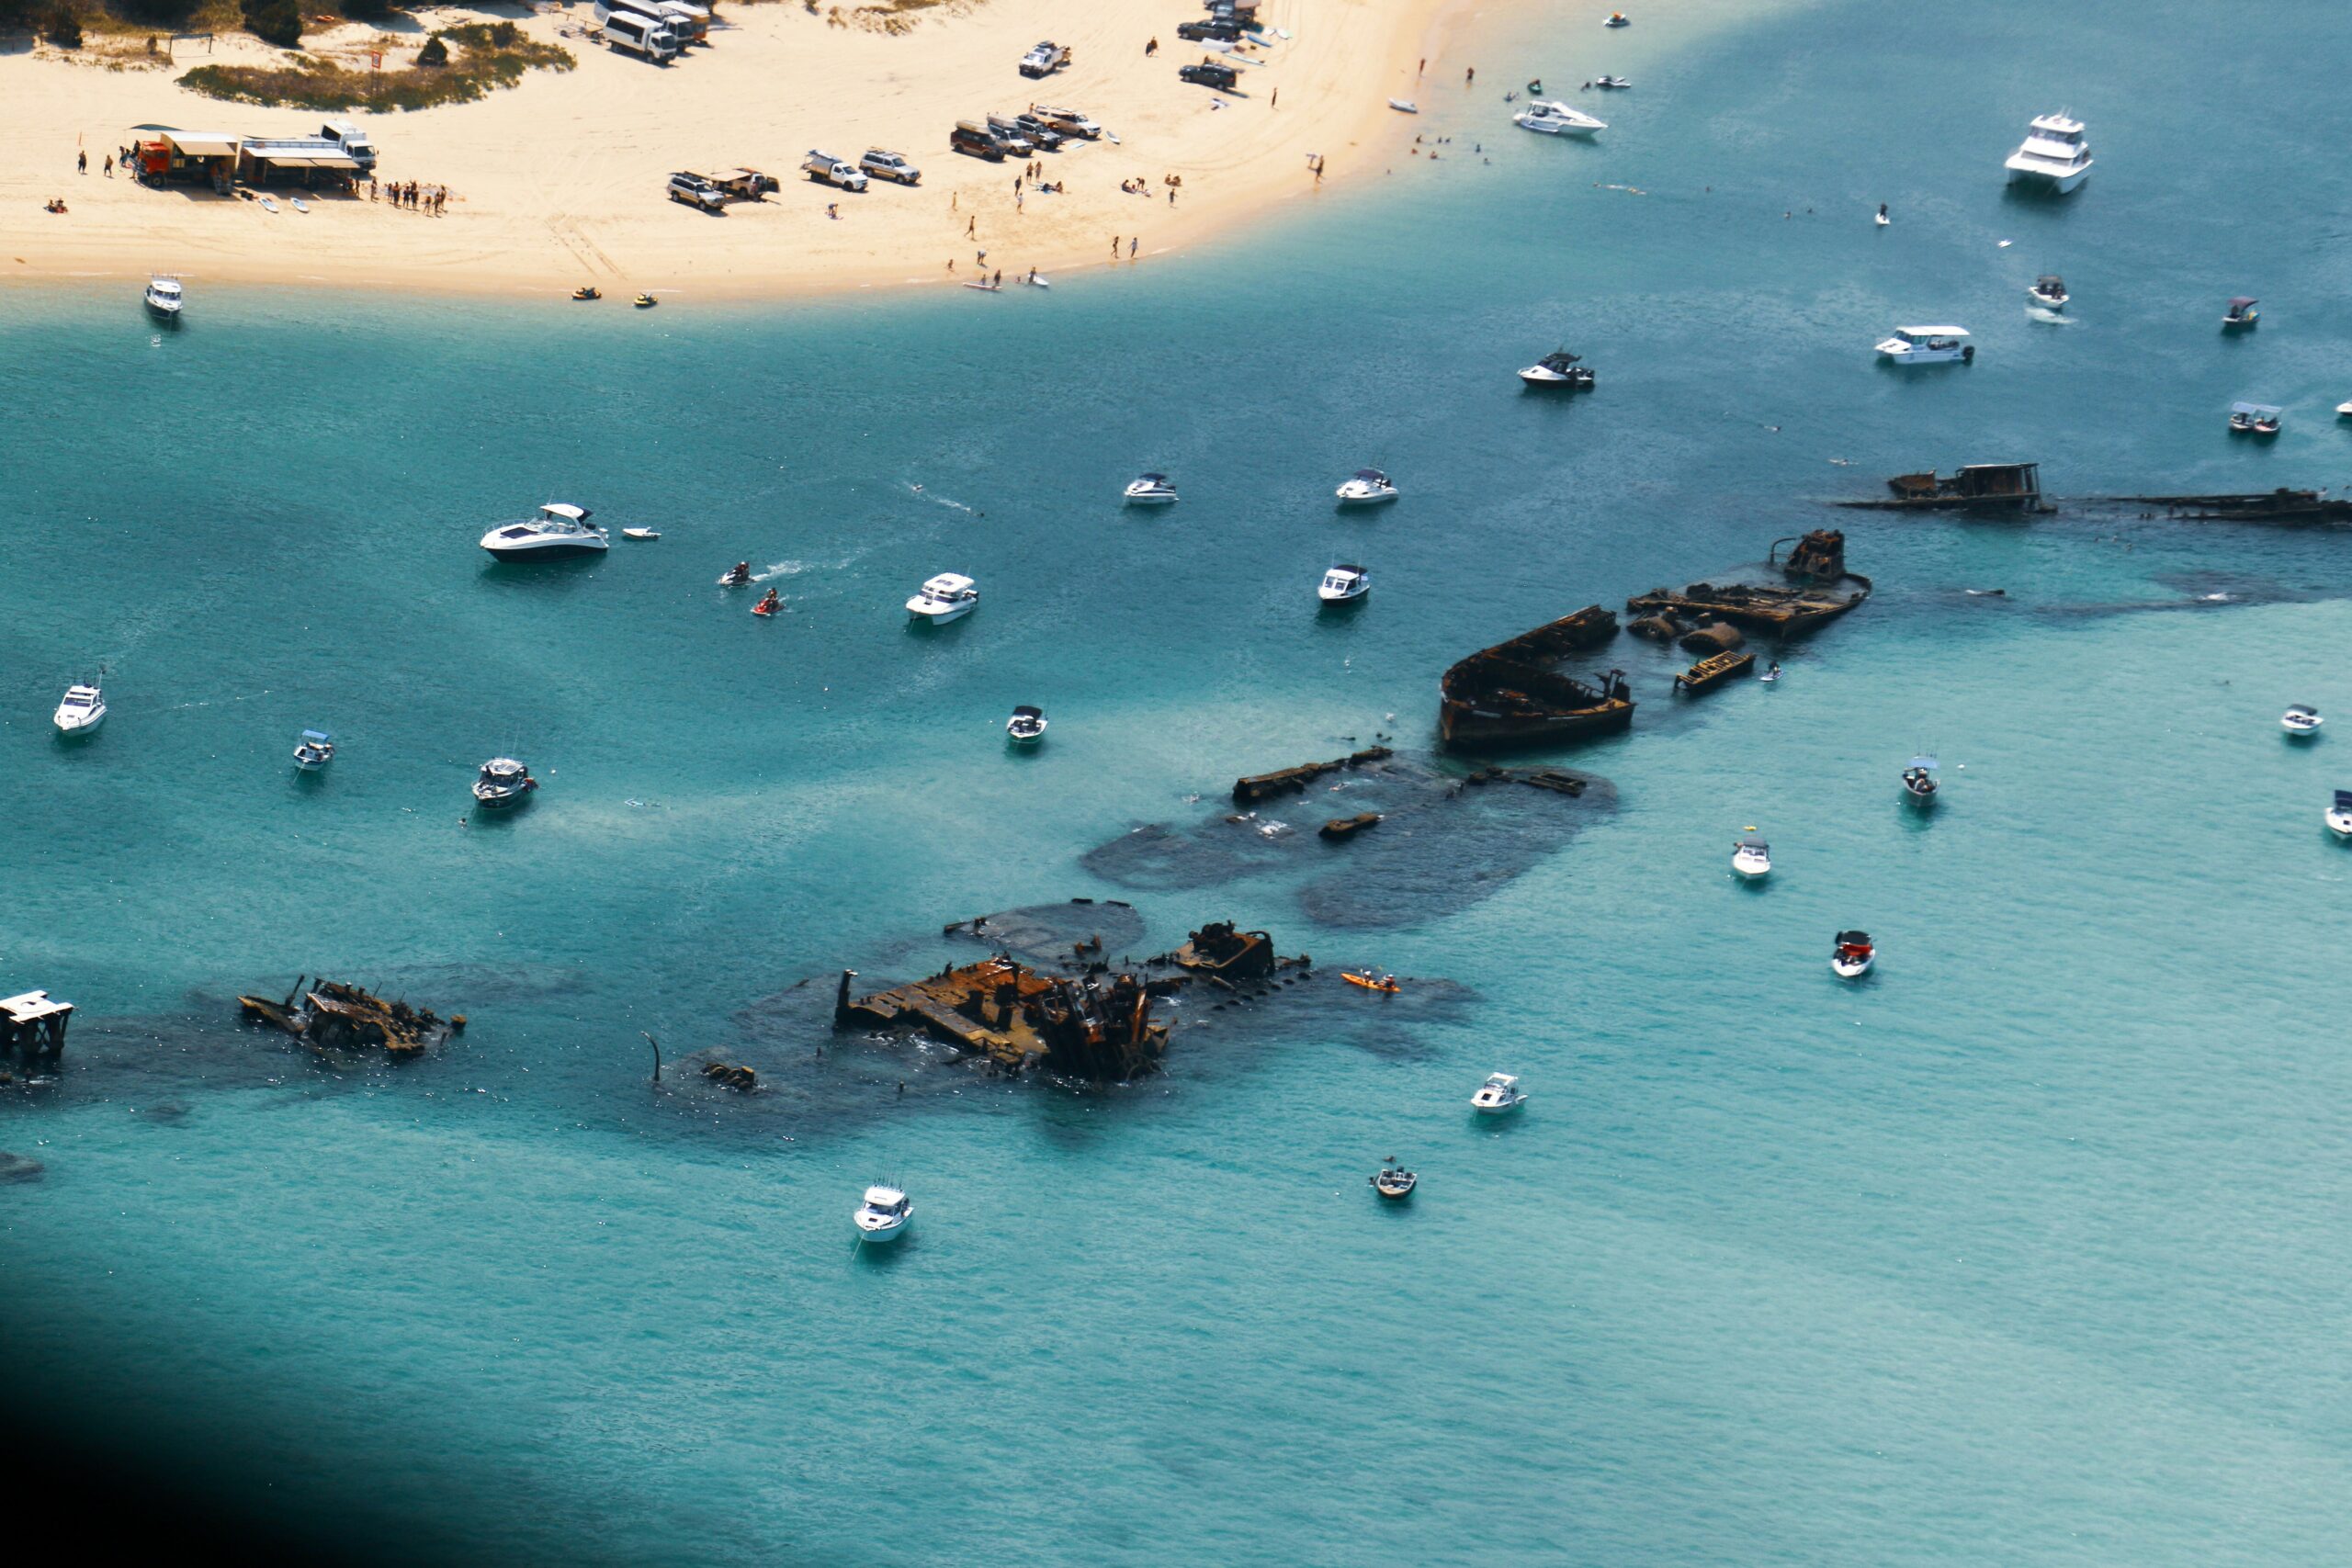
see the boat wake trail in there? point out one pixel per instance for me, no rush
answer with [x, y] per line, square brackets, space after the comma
[913, 489]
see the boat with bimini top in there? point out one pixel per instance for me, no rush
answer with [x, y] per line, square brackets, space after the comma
[2302, 721]
[560, 529]
[1853, 956]
[314, 750]
[502, 782]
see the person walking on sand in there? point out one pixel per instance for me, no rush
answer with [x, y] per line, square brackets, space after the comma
[1132, 240]
[1424, 68]
[1470, 75]
[1274, 99]
[1171, 195]
[109, 166]
[1151, 48]
[1114, 247]
[971, 228]
[81, 163]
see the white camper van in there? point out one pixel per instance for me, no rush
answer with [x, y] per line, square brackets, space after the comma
[640, 34]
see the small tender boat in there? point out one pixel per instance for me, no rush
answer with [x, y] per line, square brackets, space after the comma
[1499, 1093]
[2255, 419]
[1026, 727]
[314, 750]
[1919, 780]
[645, 301]
[2053, 154]
[1367, 487]
[2301, 720]
[1614, 83]
[1344, 585]
[2242, 314]
[1394, 1180]
[884, 1215]
[640, 532]
[1752, 857]
[1927, 345]
[502, 782]
[1404, 106]
[2049, 291]
[164, 298]
[1372, 980]
[1618, 19]
[950, 596]
[1853, 956]
[1559, 368]
[587, 291]
[81, 712]
[560, 529]
[1151, 490]
[2344, 409]
[2339, 816]
[1557, 119]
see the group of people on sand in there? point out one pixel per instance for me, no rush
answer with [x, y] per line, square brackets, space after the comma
[422, 199]
[1140, 186]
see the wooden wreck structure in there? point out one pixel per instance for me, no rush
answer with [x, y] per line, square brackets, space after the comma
[1285, 781]
[1820, 591]
[1977, 487]
[332, 1015]
[1096, 1026]
[2281, 505]
[1712, 671]
[1516, 692]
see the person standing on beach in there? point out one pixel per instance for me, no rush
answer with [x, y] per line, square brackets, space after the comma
[1274, 100]
[1151, 48]
[971, 225]
[1470, 75]
[1114, 247]
[1422, 70]
[1135, 240]
[81, 162]
[109, 166]
[1171, 195]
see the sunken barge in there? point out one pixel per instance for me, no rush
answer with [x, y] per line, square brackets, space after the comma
[1820, 591]
[1515, 692]
[332, 1015]
[1977, 487]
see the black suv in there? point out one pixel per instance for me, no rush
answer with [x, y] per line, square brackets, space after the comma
[1224, 32]
[1209, 73]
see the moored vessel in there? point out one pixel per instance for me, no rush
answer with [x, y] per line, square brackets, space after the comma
[1366, 487]
[1919, 780]
[2054, 156]
[501, 782]
[1026, 727]
[1151, 490]
[560, 529]
[164, 298]
[1393, 1180]
[2255, 419]
[1550, 119]
[1853, 956]
[1499, 1093]
[1751, 857]
[950, 596]
[81, 710]
[884, 1215]
[2339, 816]
[2243, 311]
[1927, 345]
[1559, 369]
[2301, 720]
[2049, 291]
[1344, 584]
[314, 750]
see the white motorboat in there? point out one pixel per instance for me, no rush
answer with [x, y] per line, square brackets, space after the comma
[1919, 780]
[2339, 816]
[1752, 857]
[1499, 1093]
[1344, 584]
[1927, 345]
[1613, 83]
[1404, 106]
[164, 298]
[2052, 155]
[2301, 720]
[2344, 409]
[1559, 368]
[314, 750]
[640, 532]
[884, 1215]
[502, 782]
[2049, 291]
[1151, 490]
[1367, 487]
[949, 596]
[1853, 955]
[1557, 119]
[560, 529]
[82, 711]
[2255, 419]
[1026, 727]
[1618, 19]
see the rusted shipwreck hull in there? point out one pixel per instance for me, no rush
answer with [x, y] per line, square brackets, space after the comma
[1821, 589]
[1978, 487]
[332, 1015]
[1515, 694]
[1094, 1026]
[2266, 506]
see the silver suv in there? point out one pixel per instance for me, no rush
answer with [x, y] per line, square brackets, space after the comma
[889, 166]
[696, 191]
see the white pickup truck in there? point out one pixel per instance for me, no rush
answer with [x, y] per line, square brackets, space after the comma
[826, 169]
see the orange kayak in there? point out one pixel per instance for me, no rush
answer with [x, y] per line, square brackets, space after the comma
[1368, 980]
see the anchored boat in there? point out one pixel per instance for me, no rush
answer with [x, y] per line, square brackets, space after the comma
[1853, 956]
[2301, 720]
[314, 750]
[1919, 780]
[1394, 1180]
[1499, 1093]
[884, 1215]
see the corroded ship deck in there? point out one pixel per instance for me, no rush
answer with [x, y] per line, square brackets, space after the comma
[1516, 692]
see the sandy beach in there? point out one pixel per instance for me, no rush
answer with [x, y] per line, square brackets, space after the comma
[560, 181]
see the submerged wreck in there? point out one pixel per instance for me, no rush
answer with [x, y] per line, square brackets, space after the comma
[2281, 505]
[1820, 591]
[335, 1016]
[1516, 692]
[1977, 487]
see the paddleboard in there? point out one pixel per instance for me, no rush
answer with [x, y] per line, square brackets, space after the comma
[270, 204]
[299, 204]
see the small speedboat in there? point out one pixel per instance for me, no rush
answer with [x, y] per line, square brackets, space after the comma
[1752, 857]
[2255, 419]
[502, 782]
[1372, 979]
[640, 532]
[1151, 490]
[1927, 345]
[560, 529]
[1344, 585]
[1394, 1180]
[1853, 956]
[950, 596]
[2344, 409]
[1557, 119]
[884, 1215]
[1026, 727]
[164, 298]
[2301, 720]
[1367, 487]
[1499, 1093]
[2339, 816]
[314, 750]
[2049, 291]
[2240, 314]
[82, 711]
[1559, 368]
[1614, 83]
[1618, 19]
[1919, 780]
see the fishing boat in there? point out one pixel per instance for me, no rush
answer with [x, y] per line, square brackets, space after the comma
[1927, 345]
[2052, 155]
[2301, 720]
[164, 298]
[1712, 671]
[1344, 585]
[1372, 980]
[1026, 727]
[1919, 780]
[640, 532]
[81, 710]
[2255, 419]
[1548, 118]
[314, 750]
[560, 529]
[2240, 314]
[2339, 816]
[1559, 368]
[502, 782]
[1366, 487]
[1516, 692]
[1394, 1180]
[2049, 291]
[950, 596]
[1151, 490]
[1499, 1093]
[1853, 956]
[884, 1215]
[1751, 857]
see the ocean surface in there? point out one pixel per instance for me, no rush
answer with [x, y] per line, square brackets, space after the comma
[2028, 1249]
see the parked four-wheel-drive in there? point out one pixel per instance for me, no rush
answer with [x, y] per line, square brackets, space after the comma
[975, 140]
[889, 166]
[1224, 32]
[695, 190]
[1069, 122]
[826, 169]
[1041, 134]
[747, 184]
[1209, 73]
[1045, 60]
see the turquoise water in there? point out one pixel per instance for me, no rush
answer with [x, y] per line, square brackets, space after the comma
[2028, 1250]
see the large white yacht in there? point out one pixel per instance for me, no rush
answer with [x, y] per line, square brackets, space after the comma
[1557, 119]
[1927, 345]
[884, 1215]
[83, 709]
[560, 529]
[949, 596]
[164, 298]
[2053, 154]
[1365, 487]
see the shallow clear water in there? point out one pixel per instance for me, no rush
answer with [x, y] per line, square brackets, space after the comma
[2029, 1248]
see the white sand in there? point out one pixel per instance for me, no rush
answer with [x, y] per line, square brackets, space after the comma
[560, 181]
